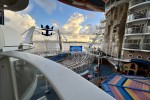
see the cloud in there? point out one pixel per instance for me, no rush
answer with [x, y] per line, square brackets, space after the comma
[48, 5]
[75, 30]
[17, 21]
[89, 29]
[55, 24]
[79, 38]
[73, 25]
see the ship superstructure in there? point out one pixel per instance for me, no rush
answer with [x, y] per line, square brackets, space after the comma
[20, 72]
[136, 43]
[116, 13]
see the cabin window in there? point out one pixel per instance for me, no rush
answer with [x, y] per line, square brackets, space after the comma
[130, 55]
[131, 51]
[139, 57]
[148, 58]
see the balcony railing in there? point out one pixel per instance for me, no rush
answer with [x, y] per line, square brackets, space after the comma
[134, 2]
[26, 79]
[138, 30]
[138, 46]
[148, 29]
[134, 31]
[146, 46]
[131, 17]
[132, 45]
[73, 88]
[138, 16]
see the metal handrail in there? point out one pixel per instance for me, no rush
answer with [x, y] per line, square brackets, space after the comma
[67, 84]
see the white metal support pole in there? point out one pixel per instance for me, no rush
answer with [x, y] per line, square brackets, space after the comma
[98, 59]
[13, 74]
[60, 41]
[112, 50]
[101, 56]
[46, 88]
[106, 52]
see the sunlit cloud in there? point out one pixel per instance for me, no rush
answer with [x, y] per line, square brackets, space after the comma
[74, 30]
[89, 29]
[18, 21]
[55, 24]
[21, 22]
[73, 25]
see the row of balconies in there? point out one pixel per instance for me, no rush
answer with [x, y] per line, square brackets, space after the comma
[137, 46]
[138, 30]
[135, 2]
[136, 15]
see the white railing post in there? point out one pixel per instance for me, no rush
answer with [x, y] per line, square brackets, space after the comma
[98, 58]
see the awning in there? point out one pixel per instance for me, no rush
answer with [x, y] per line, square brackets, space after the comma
[123, 87]
[144, 62]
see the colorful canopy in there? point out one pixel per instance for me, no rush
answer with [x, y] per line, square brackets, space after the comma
[140, 61]
[92, 5]
[123, 87]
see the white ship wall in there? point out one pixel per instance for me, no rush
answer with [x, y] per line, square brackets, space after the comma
[9, 39]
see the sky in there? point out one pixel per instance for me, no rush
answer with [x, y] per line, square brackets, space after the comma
[77, 24]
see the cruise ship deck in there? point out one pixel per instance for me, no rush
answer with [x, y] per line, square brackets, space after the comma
[117, 68]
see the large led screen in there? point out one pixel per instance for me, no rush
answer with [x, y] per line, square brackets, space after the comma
[75, 48]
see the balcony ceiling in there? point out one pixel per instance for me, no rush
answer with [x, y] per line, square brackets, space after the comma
[14, 5]
[92, 5]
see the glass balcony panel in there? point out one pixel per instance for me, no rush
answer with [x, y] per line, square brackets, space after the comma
[31, 83]
[130, 17]
[139, 15]
[128, 31]
[146, 46]
[132, 45]
[25, 76]
[136, 29]
[148, 29]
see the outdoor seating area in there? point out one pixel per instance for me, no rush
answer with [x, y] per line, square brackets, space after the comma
[59, 57]
[123, 87]
[78, 62]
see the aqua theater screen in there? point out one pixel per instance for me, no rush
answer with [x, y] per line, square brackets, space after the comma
[75, 48]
